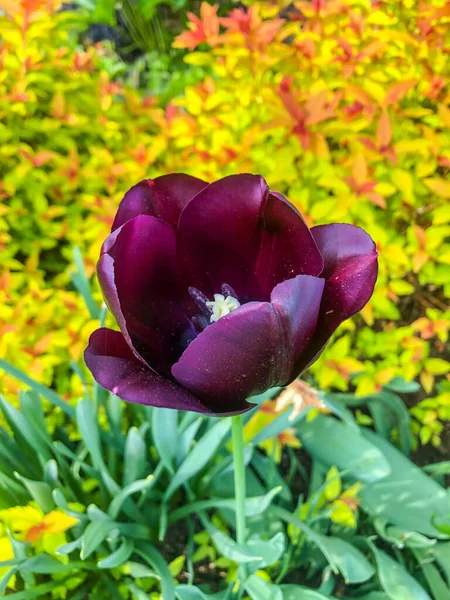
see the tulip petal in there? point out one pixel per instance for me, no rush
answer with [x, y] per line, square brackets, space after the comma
[115, 368]
[297, 302]
[239, 234]
[233, 358]
[138, 279]
[350, 273]
[255, 347]
[163, 197]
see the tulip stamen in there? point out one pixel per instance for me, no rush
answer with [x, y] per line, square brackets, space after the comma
[222, 306]
[200, 300]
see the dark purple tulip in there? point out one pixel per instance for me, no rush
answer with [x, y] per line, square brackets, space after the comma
[220, 291]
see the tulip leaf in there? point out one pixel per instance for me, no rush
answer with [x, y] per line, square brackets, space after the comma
[23, 431]
[185, 440]
[39, 491]
[191, 592]
[436, 583]
[336, 444]
[269, 550]
[259, 589]
[442, 553]
[253, 506]
[135, 457]
[94, 534]
[132, 488]
[298, 592]
[231, 549]
[395, 580]
[422, 498]
[199, 456]
[165, 436]
[45, 564]
[150, 554]
[119, 556]
[69, 547]
[352, 564]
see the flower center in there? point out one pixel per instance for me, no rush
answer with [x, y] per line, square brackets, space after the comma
[212, 310]
[222, 306]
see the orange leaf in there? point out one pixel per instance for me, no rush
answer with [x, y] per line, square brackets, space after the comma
[398, 90]
[384, 131]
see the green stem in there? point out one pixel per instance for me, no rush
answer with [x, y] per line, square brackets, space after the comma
[237, 433]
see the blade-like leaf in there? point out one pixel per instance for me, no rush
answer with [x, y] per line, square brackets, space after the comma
[199, 455]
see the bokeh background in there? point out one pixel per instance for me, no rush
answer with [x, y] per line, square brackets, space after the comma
[342, 105]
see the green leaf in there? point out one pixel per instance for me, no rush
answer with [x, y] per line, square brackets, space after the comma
[269, 550]
[135, 457]
[41, 389]
[199, 455]
[276, 426]
[79, 277]
[437, 585]
[94, 535]
[165, 436]
[190, 592]
[258, 589]
[442, 553]
[154, 558]
[6, 577]
[407, 497]
[39, 491]
[310, 534]
[352, 564]
[335, 443]
[88, 427]
[45, 564]
[185, 440]
[118, 557]
[23, 431]
[69, 547]
[441, 468]
[401, 537]
[231, 549]
[137, 486]
[398, 384]
[253, 506]
[298, 592]
[395, 580]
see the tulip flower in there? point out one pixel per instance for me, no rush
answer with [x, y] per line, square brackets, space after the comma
[220, 292]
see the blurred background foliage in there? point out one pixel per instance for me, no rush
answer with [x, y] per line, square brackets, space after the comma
[342, 105]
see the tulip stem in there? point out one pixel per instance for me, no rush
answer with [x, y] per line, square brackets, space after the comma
[237, 433]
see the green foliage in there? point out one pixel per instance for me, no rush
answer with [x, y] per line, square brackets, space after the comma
[91, 503]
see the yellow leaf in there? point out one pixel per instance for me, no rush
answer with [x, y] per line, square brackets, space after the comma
[425, 168]
[352, 491]
[342, 514]
[176, 566]
[438, 186]
[58, 521]
[375, 90]
[404, 183]
[437, 366]
[427, 381]
[444, 114]
[333, 487]
[401, 287]
[385, 189]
